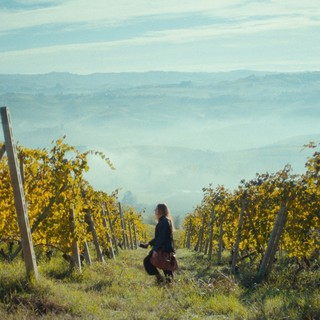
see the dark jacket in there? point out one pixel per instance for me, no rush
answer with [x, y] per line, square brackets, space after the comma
[163, 236]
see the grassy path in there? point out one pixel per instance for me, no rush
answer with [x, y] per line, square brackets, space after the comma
[120, 289]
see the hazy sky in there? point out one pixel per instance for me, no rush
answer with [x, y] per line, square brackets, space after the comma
[82, 36]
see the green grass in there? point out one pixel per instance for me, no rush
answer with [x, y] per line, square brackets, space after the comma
[120, 289]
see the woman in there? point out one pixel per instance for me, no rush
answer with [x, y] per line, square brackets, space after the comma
[163, 240]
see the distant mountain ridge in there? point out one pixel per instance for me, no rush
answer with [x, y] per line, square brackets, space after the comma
[73, 83]
[121, 79]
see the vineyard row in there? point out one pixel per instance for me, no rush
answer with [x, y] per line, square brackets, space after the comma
[271, 214]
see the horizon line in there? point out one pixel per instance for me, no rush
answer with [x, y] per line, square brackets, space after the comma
[162, 71]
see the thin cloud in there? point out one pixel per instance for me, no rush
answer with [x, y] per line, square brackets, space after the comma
[180, 35]
[84, 37]
[101, 11]
[241, 27]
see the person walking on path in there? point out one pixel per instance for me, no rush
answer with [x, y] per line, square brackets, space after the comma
[163, 240]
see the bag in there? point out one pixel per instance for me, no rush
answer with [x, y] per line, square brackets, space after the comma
[164, 260]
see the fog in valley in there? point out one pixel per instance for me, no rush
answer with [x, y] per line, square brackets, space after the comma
[170, 134]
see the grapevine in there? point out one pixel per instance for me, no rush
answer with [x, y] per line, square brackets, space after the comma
[54, 187]
[248, 233]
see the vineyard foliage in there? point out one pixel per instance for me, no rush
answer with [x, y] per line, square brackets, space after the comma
[262, 197]
[54, 187]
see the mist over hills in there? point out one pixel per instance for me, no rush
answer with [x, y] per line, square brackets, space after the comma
[57, 82]
[177, 175]
[170, 134]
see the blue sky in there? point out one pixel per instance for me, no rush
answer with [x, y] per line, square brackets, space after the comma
[84, 37]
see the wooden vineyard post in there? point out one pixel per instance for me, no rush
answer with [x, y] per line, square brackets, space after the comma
[74, 246]
[199, 242]
[19, 196]
[196, 248]
[238, 239]
[111, 230]
[211, 233]
[188, 243]
[130, 235]
[95, 236]
[21, 169]
[202, 234]
[185, 238]
[135, 236]
[273, 243]
[87, 253]
[123, 226]
[105, 224]
[220, 245]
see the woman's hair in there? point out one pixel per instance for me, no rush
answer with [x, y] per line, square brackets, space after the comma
[163, 210]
